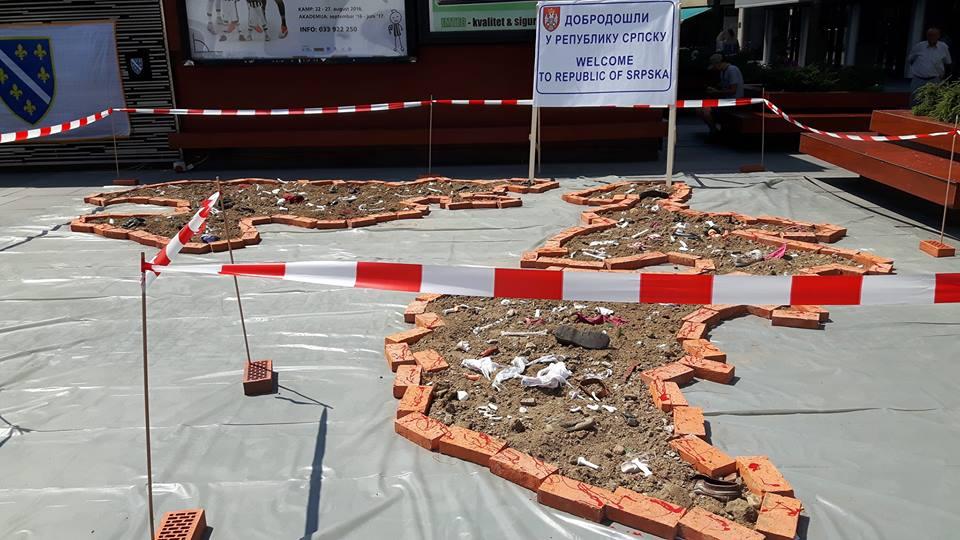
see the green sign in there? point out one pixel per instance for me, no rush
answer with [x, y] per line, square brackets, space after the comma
[482, 15]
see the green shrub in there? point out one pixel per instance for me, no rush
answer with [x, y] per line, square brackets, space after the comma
[939, 101]
[817, 78]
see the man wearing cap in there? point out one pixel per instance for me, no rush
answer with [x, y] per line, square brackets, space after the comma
[731, 86]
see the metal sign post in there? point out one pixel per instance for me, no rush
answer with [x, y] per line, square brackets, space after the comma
[533, 141]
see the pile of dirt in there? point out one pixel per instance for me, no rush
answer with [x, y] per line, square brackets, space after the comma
[626, 424]
[338, 201]
[647, 227]
[657, 189]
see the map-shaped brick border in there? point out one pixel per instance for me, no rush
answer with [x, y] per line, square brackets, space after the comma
[552, 254]
[779, 510]
[497, 197]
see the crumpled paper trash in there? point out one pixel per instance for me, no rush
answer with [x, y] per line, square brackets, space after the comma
[552, 376]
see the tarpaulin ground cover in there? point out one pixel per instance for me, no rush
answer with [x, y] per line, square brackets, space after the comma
[860, 417]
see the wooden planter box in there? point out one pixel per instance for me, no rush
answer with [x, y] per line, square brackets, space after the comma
[904, 122]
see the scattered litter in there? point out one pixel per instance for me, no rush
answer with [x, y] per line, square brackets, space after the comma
[552, 376]
[462, 395]
[639, 234]
[608, 408]
[478, 329]
[604, 243]
[634, 466]
[523, 410]
[505, 302]
[513, 371]
[486, 366]
[576, 409]
[209, 238]
[521, 334]
[463, 346]
[683, 246]
[593, 407]
[579, 306]
[777, 253]
[604, 311]
[492, 407]
[748, 258]
[584, 462]
[596, 254]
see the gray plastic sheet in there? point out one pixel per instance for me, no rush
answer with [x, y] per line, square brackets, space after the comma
[861, 417]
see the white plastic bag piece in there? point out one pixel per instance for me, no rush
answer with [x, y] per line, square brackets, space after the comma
[485, 365]
[552, 376]
[635, 466]
[514, 370]
[606, 312]
[463, 346]
[586, 463]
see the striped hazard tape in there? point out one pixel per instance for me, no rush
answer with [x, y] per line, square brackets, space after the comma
[15, 136]
[604, 286]
[171, 250]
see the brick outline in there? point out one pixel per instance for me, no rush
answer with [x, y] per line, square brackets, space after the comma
[497, 197]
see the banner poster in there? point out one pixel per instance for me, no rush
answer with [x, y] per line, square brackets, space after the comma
[606, 53]
[55, 73]
[296, 29]
[482, 15]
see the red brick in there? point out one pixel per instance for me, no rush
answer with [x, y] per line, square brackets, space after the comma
[416, 399]
[728, 311]
[115, 233]
[633, 262]
[420, 430]
[761, 476]
[666, 395]
[430, 360]
[258, 377]
[470, 445]
[195, 248]
[691, 330]
[821, 313]
[672, 372]
[709, 370]
[779, 517]
[294, 221]
[413, 309]
[428, 297]
[830, 233]
[510, 203]
[182, 525]
[553, 252]
[459, 205]
[705, 266]
[689, 421]
[428, 320]
[937, 249]
[361, 221]
[409, 214]
[398, 354]
[703, 349]
[698, 524]
[125, 182]
[521, 469]
[703, 316]
[78, 225]
[409, 337]
[330, 224]
[407, 375]
[683, 259]
[796, 319]
[765, 311]
[704, 457]
[645, 514]
[574, 497]
[485, 204]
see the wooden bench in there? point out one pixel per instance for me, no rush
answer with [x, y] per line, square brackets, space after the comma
[903, 122]
[751, 122]
[908, 169]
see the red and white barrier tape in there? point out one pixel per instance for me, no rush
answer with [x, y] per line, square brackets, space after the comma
[605, 286]
[15, 136]
[870, 138]
[195, 226]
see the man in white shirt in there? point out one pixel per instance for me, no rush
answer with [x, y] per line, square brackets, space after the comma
[929, 61]
[731, 86]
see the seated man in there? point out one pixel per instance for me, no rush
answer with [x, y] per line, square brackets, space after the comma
[731, 86]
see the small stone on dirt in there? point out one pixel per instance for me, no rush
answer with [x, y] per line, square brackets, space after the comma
[528, 402]
[451, 408]
[518, 426]
[632, 422]
[588, 339]
[619, 450]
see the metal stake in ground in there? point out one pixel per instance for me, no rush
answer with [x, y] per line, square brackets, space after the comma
[946, 196]
[146, 388]
[430, 139]
[116, 155]
[236, 284]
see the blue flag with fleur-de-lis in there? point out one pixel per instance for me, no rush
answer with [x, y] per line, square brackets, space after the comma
[52, 74]
[27, 80]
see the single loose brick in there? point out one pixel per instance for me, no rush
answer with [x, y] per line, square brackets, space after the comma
[420, 430]
[416, 399]
[428, 297]
[409, 337]
[703, 349]
[682, 259]
[709, 370]
[704, 457]
[470, 445]
[673, 372]
[406, 376]
[415, 308]
[761, 476]
[430, 360]
[258, 377]
[821, 313]
[645, 514]
[182, 525]
[574, 497]
[698, 524]
[689, 421]
[428, 320]
[779, 517]
[398, 354]
[796, 319]
[691, 330]
[666, 395]
[520, 468]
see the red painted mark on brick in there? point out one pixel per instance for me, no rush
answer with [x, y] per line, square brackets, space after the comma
[780, 506]
[725, 526]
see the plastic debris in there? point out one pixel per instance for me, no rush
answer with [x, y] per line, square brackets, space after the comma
[634, 466]
[609, 408]
[513, 371]
[209, 238]
[463, 346]
[593, 407]
[777, 253]
[486, 366]
[748, 258]
[552, 376]
[586, 463]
